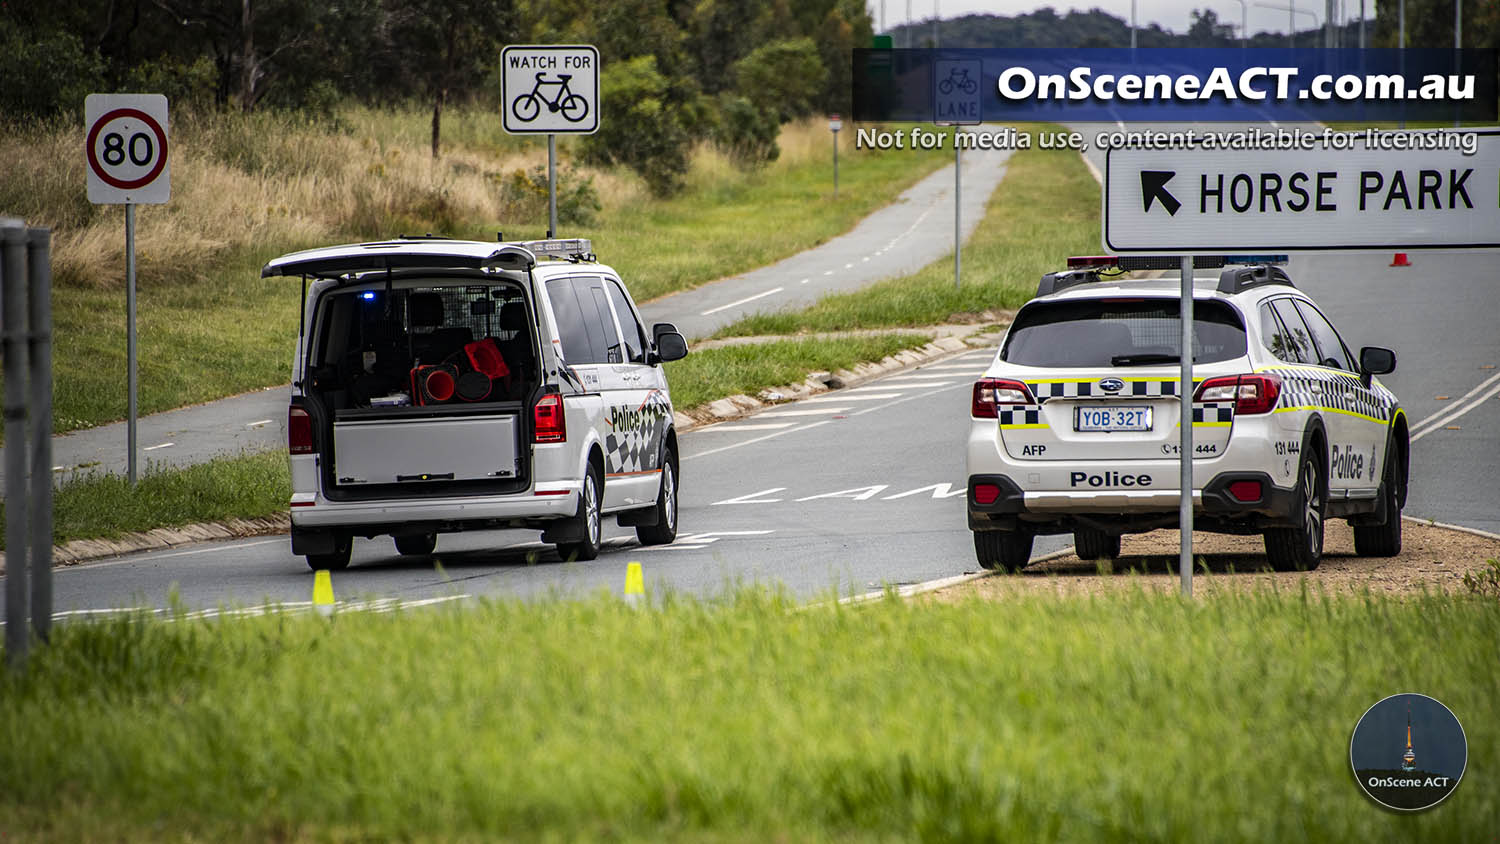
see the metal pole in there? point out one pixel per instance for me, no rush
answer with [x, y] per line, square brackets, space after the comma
[1458, 44]
[1291, 16]
[39, 297]
[551, 185]
[1244, 24]
[909, 27]
[13, 297]
[957, 206]
[835, 164]
[1185, 458]
[1361, 24]
[130, 350]
[1401, 49]
[934, 24]
[1132, 29]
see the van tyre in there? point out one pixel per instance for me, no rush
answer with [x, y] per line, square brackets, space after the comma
[588, 522]
[416, 545]
[1092, 544]
[1300, 548]
[1385, 540]
[338, 560]
[1005, 550]
[664, 532]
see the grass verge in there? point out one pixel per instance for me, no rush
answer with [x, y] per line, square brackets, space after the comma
[1046, 208]
[106, 506]
[1134, 717]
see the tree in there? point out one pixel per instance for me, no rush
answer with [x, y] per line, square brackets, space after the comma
[643, 124]
[447, 45]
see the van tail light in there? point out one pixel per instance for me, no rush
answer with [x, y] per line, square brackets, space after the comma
[1250, 393]
[299, 437]
[549, 424]
[990, 393]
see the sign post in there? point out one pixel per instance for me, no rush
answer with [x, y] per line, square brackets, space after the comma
[955, 102]
[1323, 192]
[834, 125]
[550, 89]
[125, 149]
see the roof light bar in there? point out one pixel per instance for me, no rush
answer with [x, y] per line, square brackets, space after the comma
[1088, 261]
[573, 247]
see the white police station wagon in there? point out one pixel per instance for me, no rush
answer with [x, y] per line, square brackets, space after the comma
[443, 385]
[1076, 422]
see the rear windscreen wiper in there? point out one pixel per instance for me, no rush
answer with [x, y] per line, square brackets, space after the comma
[1143, 359]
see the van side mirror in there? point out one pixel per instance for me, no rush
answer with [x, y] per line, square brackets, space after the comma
[671, 346]
[1373, 360]
[659, 329]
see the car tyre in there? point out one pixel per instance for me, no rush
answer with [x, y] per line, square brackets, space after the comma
[1385, 540]
[416, 545]
[1005, 550]
[1300, 548]
[1092, 544]
[338, 560]
[588, 522]
[664, 532]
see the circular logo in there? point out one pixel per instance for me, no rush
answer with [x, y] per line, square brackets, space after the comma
[126, 148]
[1408, 752]
[1111, 385]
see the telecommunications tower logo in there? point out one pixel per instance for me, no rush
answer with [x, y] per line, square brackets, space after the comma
[1408, 752]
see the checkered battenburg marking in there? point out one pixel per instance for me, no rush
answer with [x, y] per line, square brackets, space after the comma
[1338, 392]
[634, 445]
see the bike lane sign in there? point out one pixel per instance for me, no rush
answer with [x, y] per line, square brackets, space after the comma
[955, 92]
[550, 89]
[125, 149]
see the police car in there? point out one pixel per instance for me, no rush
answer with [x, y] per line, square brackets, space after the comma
[444, 385]
[1075, 425]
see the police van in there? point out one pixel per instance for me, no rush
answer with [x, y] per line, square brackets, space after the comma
[445, 385]
[1076, 423]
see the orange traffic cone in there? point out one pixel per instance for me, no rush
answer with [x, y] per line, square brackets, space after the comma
[1400, 260]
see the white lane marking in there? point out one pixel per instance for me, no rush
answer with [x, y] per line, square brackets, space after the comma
[830, 272]
[804, 281]
[258, 423]
[1457, 409]
[895, 402]
[773, 291]
[752, 498]
[137, 558]
[754, 426]
[864, 259]
[859, 493]
[939, 491]
[675, 546]
[754, 440]
[822, 411]
[843, 397]
[916, 381]
[1093, 171]
[848, 266]
[155, 447]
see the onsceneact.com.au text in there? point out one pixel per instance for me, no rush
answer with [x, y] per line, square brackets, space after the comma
[1254, 83]
[923, 138]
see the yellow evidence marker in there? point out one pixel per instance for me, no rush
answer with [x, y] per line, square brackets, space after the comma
[635, 584]
[323, 592]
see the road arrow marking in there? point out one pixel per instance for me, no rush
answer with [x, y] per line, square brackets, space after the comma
[1154, 186]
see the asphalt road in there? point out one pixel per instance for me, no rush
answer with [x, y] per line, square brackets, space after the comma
[834, 492]
[899, 239]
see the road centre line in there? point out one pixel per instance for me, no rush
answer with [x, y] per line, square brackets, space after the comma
[843, 396]
[1457, 409]
[778, 414]
[773, 291]
[896, 402]
[754, 440]
[768, 426]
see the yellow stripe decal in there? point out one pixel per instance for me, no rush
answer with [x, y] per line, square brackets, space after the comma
[1331, 410]
[1017, 427]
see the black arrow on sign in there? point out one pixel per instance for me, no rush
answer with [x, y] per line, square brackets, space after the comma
[1154, 186]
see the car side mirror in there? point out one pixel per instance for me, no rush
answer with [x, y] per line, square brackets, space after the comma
[659, 329]
[671, 346]
[1373, 360]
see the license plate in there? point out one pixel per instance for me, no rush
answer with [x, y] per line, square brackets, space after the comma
[1113, 418]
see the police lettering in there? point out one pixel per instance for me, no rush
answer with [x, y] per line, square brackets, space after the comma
[1347, 463]
[1108, 479]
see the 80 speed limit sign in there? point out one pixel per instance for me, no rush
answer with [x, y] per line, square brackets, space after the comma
[125, 149]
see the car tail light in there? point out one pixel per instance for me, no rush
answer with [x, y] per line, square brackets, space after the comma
[990, 393]
[986, 493]
[550, 426]
[299, 437]
[1250, 393]
[1245, 492]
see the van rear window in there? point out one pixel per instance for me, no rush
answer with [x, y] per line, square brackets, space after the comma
[1103, 333]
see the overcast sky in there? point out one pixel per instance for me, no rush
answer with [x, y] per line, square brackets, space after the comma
[1174, 15]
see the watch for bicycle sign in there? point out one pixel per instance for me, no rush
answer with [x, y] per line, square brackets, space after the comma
[550, 89]
[125, 148]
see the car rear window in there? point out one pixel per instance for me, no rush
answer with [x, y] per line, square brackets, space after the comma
[1120, 332]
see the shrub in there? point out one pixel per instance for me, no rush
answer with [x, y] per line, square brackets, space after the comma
[525, 194]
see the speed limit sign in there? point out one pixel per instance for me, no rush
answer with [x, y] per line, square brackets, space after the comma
[125, 149]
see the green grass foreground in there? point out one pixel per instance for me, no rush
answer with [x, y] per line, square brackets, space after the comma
[1124, 718]
[1045, 209]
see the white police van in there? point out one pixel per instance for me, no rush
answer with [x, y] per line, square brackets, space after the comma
[1075, 425]
[444, 385]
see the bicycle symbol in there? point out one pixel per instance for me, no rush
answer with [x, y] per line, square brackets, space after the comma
[958, 77]
[573, 107]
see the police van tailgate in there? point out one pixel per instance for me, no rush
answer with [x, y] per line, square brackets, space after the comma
[404, 448]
